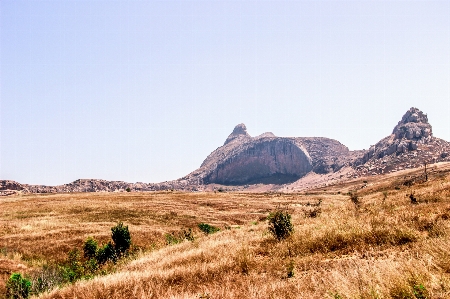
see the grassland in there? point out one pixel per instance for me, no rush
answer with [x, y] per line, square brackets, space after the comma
[379, 246]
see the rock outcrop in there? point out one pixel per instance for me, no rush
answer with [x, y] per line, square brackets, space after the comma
[410, 145]
[239, 133]
[269, 159]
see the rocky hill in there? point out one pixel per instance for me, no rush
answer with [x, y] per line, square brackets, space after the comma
[410, 145]
[281, 162]
[268, 159]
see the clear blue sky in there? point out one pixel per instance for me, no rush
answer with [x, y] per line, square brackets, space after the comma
[145, 90]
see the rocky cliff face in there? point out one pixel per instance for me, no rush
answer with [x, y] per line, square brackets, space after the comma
[269, 159]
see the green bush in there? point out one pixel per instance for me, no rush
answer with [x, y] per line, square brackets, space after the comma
[121, 238]
[208, 229]
[280, 224]
[90, 248]
[90, 267]
[171, 239]
[175, 238]
[74, 267]
[17, 287]
[106, 253]
[420, 292]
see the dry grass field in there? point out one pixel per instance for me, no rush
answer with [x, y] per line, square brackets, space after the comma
[380, 245]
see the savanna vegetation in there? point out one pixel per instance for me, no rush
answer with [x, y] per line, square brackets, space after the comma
[364, 239]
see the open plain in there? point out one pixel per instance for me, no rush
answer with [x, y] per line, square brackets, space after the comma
[380, 245]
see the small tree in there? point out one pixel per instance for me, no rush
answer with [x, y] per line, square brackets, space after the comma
[17, 287]
[90, 248]
[121, 238]
[280, 224]
[355, 198]
[106, 253]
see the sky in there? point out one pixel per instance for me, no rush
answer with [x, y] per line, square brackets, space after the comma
[144, 91]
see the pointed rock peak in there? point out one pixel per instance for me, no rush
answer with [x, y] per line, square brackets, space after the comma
[413, 126]
[240, 129]
[238, 132]
[414, 115]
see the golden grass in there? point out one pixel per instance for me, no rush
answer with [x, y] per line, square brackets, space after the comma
[382, 248]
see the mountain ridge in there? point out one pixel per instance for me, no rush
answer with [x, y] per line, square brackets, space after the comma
[278, 162]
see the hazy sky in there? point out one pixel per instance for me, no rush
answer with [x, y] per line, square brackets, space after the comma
[145, 90]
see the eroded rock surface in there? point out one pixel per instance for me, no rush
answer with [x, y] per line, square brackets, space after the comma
[269, 159]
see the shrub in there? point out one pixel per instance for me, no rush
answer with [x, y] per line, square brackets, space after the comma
[354, 198]
[74, 268]
[171, 239]
[280, 224]
[175, 238]
[290, 267]
[385, 195]
[90, 248]
[121, 238]
[413, 198]
[188, 235]
[208, 229]
[313, 213]
[90, 267]
[106, 253]
[17, 287]
[409, 290]
[420, 292]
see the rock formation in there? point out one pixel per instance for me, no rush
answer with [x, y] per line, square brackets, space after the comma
[269, 159]
[410, 145]
[239, 133]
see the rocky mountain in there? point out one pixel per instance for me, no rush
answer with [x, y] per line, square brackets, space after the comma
[267, 159]
[280, 161]
[410, 145]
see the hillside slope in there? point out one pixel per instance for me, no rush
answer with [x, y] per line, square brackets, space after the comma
[383, 247]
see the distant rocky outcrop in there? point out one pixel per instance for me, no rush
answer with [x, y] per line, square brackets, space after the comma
[410, 145]
[8, 187]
